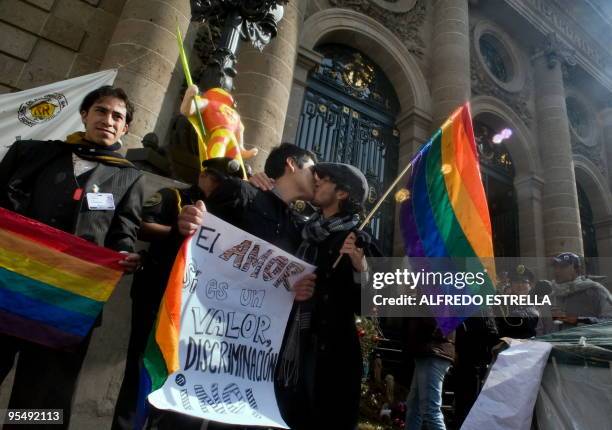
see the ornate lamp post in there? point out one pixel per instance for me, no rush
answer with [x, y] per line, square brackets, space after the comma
[255, 21]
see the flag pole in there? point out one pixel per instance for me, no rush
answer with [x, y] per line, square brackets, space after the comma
[185, 63]
[372, 212]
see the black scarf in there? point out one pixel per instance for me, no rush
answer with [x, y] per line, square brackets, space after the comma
[90, 151]
[317, 229]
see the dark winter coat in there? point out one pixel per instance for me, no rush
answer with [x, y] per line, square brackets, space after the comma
[23, 190]
[261, 213]
[338, 363]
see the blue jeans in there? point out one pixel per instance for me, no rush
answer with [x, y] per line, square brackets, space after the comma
[425, 397]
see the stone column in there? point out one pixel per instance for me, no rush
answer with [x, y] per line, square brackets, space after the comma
[531, 234]
[145, 50]
[263, 84]
[606, 120]
[560, 212]
[306, 61]
[529, 203]
[450, 62]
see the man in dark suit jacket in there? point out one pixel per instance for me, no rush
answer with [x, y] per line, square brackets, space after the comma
[85, 187]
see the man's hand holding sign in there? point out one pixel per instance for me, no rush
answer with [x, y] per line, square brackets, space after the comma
[237, 292]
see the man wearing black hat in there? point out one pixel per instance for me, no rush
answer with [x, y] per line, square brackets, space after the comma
[577, 299]
[159, 226]
[327, 371]
[519, 322]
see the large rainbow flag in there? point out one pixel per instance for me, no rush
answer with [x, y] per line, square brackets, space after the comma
[446, 217]
[53, 285]
[161, 356]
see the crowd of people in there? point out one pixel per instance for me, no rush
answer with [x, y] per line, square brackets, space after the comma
[49, 181]
[471, 348]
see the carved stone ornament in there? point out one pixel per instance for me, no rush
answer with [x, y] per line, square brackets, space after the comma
[482, 84]
[593, 153]
[397, 6]
[584, 133]
[405, 25]
[556, 52]
[551, 11]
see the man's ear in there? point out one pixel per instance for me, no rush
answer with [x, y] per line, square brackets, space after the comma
[291, 164]
[83, 116]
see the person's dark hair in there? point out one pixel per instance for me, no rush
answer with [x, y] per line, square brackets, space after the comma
[108, 91]
[275, 164]
[350, 206]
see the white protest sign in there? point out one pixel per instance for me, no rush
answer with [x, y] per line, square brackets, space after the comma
[49, 112]
[235, 305]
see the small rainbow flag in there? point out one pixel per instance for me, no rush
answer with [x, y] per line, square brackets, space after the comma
[53, 285]
[447, 215]
[161, 356]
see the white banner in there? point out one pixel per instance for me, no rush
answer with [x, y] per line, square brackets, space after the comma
[48, 112]
[235, 305]
[510, 391]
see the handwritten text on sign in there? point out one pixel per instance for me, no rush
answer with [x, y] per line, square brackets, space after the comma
[235, 305]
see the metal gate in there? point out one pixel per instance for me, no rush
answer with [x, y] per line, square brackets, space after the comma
[348, 116]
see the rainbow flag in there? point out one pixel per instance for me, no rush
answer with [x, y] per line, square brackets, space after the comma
[53, 285]
[161, 356]
[446, 215]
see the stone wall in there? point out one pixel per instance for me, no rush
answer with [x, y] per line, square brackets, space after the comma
[43, 41]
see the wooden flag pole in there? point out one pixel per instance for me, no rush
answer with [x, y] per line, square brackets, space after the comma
[371, 214]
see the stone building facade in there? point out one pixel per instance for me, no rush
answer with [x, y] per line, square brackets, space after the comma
[540, 68]
[378, 73]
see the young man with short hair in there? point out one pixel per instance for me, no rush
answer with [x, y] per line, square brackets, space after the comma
[266, 214]
[51, 182]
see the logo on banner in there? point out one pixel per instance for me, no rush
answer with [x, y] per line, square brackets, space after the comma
[41, 109]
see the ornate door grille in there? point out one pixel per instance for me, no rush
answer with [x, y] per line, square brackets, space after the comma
[348, 116]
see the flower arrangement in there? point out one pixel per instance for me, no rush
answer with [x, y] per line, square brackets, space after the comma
[380, 407]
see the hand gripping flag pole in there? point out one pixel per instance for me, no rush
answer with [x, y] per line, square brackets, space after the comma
[378, 204]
